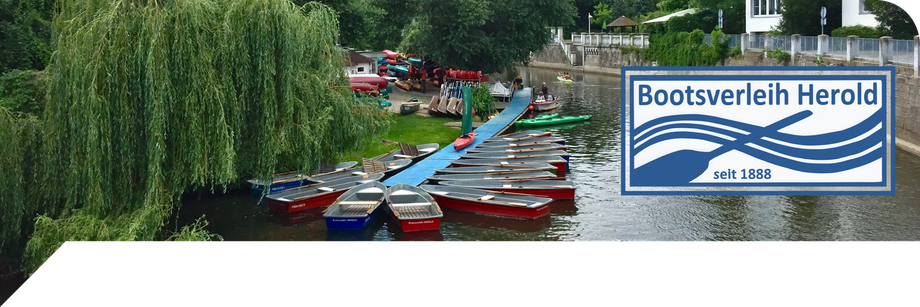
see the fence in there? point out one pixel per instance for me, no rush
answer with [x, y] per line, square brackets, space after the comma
[870, 49]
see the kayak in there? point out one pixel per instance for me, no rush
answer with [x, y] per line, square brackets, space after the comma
[399, 69]
[376, 81]
[534, 122]
[365, 88]
[464, 141]
[415, 61]
[563, 80]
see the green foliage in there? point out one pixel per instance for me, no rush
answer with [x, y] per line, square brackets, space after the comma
[483, 102]
[652, 28]
[411, 129]
[195, 232]
[147, 99]
[675, 5]
[733, 13]
[705, 20]
[804, 17]
[23, 91]
[687, 49]
[858, 30]
[893, 20]
[25, 34]
[602, 15]
[779, 55]
[478, 34]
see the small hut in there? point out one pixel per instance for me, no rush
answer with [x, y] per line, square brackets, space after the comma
[623, 22]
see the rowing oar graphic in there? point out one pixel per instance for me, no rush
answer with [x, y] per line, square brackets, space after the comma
[681, 167]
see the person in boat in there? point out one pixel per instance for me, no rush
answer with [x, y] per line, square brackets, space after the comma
[545, 90]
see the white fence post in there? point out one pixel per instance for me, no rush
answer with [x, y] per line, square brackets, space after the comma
[884, 50]
[745, 42]
[851, 47]
[796, 45]
[916, 56]
[767, 43]
[823, 41]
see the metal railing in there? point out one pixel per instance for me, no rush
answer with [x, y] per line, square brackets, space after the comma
[898, 51]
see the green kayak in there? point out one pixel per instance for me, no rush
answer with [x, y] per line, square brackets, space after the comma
[546, 116]
[534, 122]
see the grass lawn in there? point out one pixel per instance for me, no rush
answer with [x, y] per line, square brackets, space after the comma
[410, 129]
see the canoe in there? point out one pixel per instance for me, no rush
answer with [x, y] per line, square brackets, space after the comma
[365, 88]
[489, 202]
[519, 136]
[408, 151]
[398, 68]
[391, 54]
[433, 105]
[555, 189]
[357, 207]
[529, 142]
[402, 84]
[391, 61]
[442, 106]
[564, 80]
[542, 105]
[512, 150]
[516, 156]
[409, 107]
[377, 81]
[314, 195]
[413, 209]
[452, 106]
[504, 177]
[558, 162]
[415, 61]
[526, 123]
[546, 116]
[497, 170]
[290, 180]
[464, 140]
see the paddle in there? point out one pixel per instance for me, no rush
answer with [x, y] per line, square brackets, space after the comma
[681, 167]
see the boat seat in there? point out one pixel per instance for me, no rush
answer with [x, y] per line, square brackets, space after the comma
[487, 197]
[439, 192]
[357, 203]
[359, 173]
[407, 149]
[326, 189]
[372, 166]
[411, 205]
[403, 192]
[403, 156]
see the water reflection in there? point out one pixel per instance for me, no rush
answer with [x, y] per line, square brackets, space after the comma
[485, 223]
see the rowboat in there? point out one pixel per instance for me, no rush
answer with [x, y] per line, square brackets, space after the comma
[535, 148]
[357, 207]
[558, 162]
[516, 156]
[413, 209]
[533, 122]
[519, 136]
[315, 195]
[489, 202]
[433, 105]
[442, 105]
[290, 180]
[555, 189]
[408, 151]
[541, 175]
[495, 170]
[452, 106]
[388, 168]
[564, 80]
[500, 92]
[464, 140]
[525, 143]
[409, 107]
[547, 104]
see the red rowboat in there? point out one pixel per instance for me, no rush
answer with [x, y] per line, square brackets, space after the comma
[464, 140]
[413, 209]
[489, 202]
[555, 189]
[315, 195]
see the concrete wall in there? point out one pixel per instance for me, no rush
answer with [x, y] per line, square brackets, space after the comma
[609, 60]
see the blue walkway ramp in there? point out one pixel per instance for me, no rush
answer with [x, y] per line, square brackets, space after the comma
[416, 174]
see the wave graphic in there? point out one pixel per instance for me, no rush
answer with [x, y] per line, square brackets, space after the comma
[837, 151]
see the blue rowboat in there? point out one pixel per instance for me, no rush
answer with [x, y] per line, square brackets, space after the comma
[357, 207]
[290, 180]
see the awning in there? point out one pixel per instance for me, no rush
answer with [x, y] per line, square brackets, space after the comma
[666, 17]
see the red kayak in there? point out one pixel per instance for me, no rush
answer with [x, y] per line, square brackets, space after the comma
[391, 54]
[464, 141]
[379, 82]
[365, 88]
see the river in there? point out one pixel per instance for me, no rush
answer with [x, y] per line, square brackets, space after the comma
[599, 212]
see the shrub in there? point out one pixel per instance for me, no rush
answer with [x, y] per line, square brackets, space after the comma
[859, 30]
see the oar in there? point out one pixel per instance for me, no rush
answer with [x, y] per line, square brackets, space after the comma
[681, 167]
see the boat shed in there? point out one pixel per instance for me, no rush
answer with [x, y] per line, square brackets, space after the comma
[356, 63]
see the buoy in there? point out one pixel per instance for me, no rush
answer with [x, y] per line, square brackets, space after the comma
[530, 108]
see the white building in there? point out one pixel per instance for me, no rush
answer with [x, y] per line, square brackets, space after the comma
[356, 63]
[764, 15]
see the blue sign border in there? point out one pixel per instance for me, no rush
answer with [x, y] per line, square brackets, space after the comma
[885, 159]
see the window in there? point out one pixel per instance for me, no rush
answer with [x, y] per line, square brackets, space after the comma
[862, 7]
[360, 69]
[765, 7]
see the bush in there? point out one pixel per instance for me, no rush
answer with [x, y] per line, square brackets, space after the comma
[859, 30]
[779, 55]
[687, 49]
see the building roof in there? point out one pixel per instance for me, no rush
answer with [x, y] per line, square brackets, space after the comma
[622, 22]
[669, 16]
[355, 58]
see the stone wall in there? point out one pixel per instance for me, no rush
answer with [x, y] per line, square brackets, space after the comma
[609, 60]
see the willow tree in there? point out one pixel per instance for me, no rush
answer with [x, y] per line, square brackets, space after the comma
[151, 98]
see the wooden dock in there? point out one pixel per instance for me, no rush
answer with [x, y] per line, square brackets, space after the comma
[416, 174]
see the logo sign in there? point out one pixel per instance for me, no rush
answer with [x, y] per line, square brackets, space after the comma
[758, 130]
